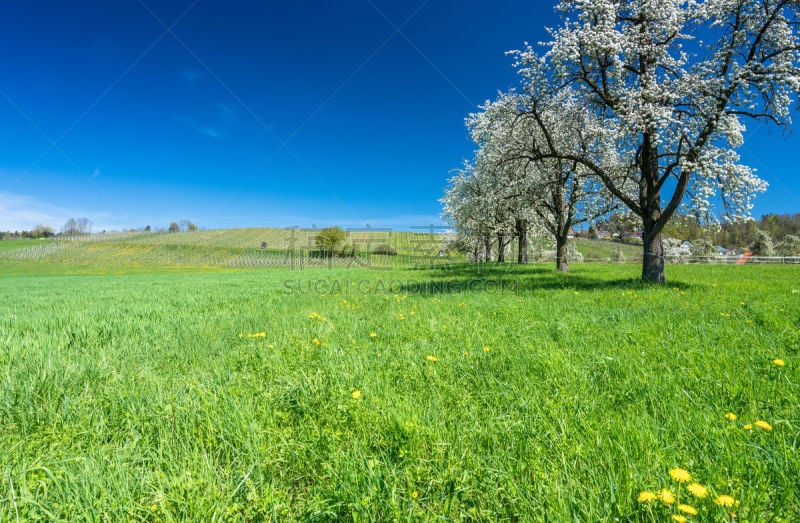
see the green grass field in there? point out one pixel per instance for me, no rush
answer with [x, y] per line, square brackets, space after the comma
[468, 394]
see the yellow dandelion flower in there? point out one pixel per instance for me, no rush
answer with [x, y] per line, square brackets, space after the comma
[257, 335]
[153, 507]
[763, 425]
[646, 496]
[270, 346]
[730, 416]
[414, 495]
[778, 362]
[687, 509]
[315, 316]
[373, 335]
[679, 518]
[431, 358]
[356, 394]
[748, 427]
[316, 342]
[486, 349]
[666, 496]
[725, 500]
[697, 490]
[466, 353]
[680, 475]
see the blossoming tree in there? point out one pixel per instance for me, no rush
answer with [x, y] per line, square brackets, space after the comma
[670, 82]
[549, 195]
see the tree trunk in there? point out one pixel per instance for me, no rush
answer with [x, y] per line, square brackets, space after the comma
[487, 245]
[522, 242]
[653, 261]
[562, 259]
[652, 220]
[501, 247]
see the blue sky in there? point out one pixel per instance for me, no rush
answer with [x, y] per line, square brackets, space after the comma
[256, 113]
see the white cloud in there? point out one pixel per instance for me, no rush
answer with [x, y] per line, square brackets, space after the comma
[211, 131]
[19, 212]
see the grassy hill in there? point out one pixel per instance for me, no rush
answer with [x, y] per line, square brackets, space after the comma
[231, 248]
[242, 248]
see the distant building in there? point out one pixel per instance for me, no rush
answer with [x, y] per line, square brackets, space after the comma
[603, 235]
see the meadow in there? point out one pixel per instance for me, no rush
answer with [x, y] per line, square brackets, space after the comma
[460, 393]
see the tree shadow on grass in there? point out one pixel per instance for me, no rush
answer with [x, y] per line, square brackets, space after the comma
[513, 278]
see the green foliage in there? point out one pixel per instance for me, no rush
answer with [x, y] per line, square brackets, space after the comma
[329, 239]
[386, 249]
[122, 400]
[174, 227]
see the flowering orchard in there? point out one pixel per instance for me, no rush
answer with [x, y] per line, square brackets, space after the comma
[653, 98]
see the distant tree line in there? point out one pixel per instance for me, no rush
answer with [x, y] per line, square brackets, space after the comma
[81, 226]
[733, 235]
[182, 225]
[40, 231]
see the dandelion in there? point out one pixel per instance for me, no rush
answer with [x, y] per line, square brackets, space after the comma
[316, 342]
[270, 346]
[778, 362]
[153, 507]
[356, 394]
[697, 490]
[646, 496]
[763, 425]
[257, 335]
[687, 509]
[666, 496]
[679, 518]
[730, 416]
[680, 475]
[748, 427]
[725, 500]
[315, 316]
[431, 358]
[486, 349]
[414, 495]
[373, 335]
